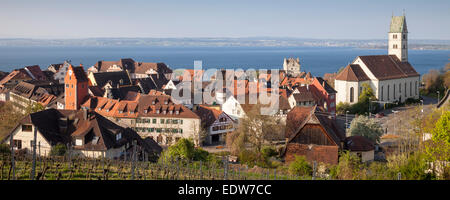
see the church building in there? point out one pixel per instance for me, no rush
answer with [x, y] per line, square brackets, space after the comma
[391, 76]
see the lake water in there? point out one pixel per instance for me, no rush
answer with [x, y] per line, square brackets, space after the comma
[317, 60]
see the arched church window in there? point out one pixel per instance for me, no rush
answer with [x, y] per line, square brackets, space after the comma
[351, 94]
[388, 92]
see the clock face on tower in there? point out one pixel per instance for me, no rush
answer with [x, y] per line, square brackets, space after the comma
[70, 72]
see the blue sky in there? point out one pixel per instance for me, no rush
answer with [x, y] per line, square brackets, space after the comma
[325, 19]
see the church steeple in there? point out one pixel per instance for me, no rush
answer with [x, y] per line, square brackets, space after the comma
[398, 38]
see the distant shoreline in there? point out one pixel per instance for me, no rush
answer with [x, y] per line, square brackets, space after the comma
[219, 42]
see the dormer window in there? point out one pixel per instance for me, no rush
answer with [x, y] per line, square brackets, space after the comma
[166, 102]
[164, 112]
[157, 111]
[170, 112]
[145, 111]
[177, 112]
[120, 111]
[153, 102]
[99, 108]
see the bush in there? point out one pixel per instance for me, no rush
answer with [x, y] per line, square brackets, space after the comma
[348, 167]
[250, 158]
[268, 152]
[200, 154]
[4, 149]
[58, 150]
[300, 166]
[184, 149]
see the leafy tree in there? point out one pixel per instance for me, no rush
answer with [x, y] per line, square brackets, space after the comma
[300, 166]
[341, 108]
[58, 150]
[439, 148]
[369, 128]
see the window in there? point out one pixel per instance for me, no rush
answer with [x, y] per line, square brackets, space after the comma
[388, 92]
[154, 121]
[394, 36]
[119, 136]
[394, 91]
[405, 89]
[78, 142]
[416, 87]
[161, 121]
[67, 85]
[159, 139]
[351, 94]
[17, 144]
[404, 36]
[181, 121]
[410, 89]
[394, 46]
[381, 94]
[27, 128]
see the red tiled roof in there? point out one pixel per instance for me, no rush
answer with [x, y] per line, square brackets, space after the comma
[388, 67]
[358, 143]
[352, 72]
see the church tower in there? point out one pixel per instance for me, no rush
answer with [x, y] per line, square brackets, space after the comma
[75, 87]
[398, 38]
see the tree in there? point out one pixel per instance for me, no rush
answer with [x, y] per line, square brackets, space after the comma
[369, 128]
[58, 150]
[439, 148]
[447, 76]
[9, 117]
[256, 129]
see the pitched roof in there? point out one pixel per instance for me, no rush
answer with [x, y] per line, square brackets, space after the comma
[114, 78]
[358, 143]
[141, 106]
[352, 72]
[328, 88]
[133, 66]
[207, 115]
[36, 72]
[388, 67]
[298, 117]
[398, 24]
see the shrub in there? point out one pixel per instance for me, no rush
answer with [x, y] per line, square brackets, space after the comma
[4, 149]
[300, 166]
[249, 157]
[268, 152]
[58, 150]
[184, 149]
[200, 154]
[348, 167]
